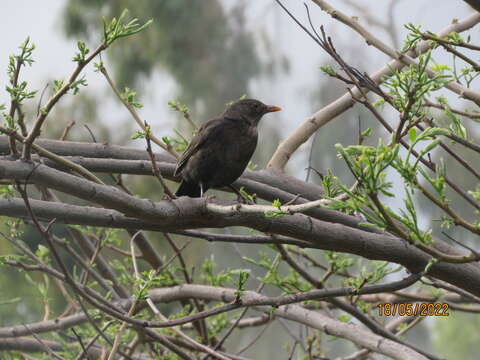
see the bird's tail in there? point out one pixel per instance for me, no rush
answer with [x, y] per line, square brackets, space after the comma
[189, 189]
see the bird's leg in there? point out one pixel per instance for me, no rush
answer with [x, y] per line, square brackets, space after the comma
[208, 197]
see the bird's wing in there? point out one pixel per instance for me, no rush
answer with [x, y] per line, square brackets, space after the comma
[205, 133]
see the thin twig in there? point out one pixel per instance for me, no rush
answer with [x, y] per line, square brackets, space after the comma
[35, 132]
[155, 169]
[157, 312]
[135, 115]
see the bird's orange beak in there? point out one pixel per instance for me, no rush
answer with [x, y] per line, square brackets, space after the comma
[273, 108]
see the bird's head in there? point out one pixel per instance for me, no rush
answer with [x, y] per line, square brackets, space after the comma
[249, 109]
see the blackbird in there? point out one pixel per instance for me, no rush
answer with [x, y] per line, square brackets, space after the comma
[220, 151]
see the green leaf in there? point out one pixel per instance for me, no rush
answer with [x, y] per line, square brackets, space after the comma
[276, 203]
[83, 51]
[344, 318]
[440, 68]
[246, 195]
[366, 132]
[116, 29]
[412, 135]
[129, 96]
[139, 135]
[327, 69]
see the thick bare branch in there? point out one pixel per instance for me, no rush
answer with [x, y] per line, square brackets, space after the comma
[187, 213]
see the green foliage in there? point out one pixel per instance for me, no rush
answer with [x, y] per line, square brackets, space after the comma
[275, 213]
[15, 228]
[345, 318]
[82, 53]
[265, 262]
[363, 306]
[409, 218]
[456, 126]
[216, 324]
[438, 180]
[468, 74]
[246, 195]
[11, 257]
[209, 277]
[10, 124]
[369, 163]
[57, 85]
[223, 277]
[7, 191]
[456, 38]
[143, 134]
[371, 274]
[331, 185]
[252, 166]
[328, 69]
[366, 133]
[129, 96]
[370, 166]
[41, 286]
[20, 92]
[289, 283]
[475, 193]
[149, 279]
[110, 236]
[25, 57]
[413, 37]
[42, 253]
[339, 263]
[118, 28]
[178, 106]
[430, 263]
[428, 134]
[75, 86]
[103, 235]
[410, 86]
[243, 275]
[179, 143]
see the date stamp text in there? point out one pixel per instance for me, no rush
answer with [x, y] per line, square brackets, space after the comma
[417, 309]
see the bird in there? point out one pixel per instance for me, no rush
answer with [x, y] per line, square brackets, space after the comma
[220, 151]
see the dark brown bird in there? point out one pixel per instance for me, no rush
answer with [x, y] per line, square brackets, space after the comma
[222, 148]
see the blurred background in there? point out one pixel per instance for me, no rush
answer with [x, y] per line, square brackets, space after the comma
[205, 54]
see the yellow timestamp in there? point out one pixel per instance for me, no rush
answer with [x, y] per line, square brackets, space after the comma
[417, 309]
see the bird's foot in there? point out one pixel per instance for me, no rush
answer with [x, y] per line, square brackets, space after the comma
[169, 197]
